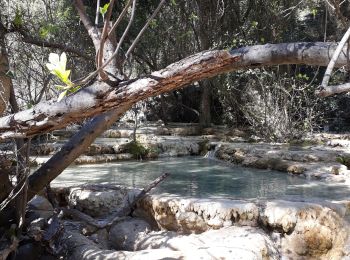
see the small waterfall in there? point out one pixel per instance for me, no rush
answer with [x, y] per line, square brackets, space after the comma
[213, 150]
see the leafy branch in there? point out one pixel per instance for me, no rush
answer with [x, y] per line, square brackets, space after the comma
[57, 66]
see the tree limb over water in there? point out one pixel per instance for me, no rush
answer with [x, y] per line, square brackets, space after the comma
[100, 97]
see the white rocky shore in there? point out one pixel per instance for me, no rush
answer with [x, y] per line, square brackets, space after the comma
[321, 156]
[170, 227]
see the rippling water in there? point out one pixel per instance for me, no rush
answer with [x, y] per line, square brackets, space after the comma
[201, 177]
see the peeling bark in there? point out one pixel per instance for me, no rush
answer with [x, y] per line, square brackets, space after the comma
[101, 97]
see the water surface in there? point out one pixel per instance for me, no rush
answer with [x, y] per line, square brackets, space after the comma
[201, 177]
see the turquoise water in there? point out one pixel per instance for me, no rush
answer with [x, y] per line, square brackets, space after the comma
[201, 177]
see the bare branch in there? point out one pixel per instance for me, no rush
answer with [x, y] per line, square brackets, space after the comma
[42, 43]
[97, 12]
[123, 36]
[120, 213]
[121, 16]
[92, 31]
[82, 14]
[14, 193]
[102, 74]
[144, 29]
[127, 209]
[330, 5]
[7, 251]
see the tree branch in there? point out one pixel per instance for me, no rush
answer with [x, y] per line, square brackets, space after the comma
[7, 251]
[144, 28]
[332, 90]
[101, 97]
[92, 31]
[335, 56]
[120, 17]
[42, 43]
[100, 55]
[97, 12]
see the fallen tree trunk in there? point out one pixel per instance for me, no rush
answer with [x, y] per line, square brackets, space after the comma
[101, 97]
[71, 150]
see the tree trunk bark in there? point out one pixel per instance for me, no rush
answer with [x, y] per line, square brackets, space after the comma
[206, 18]
[205, 105]
[101, 97]
[5, 184]
[71, 150]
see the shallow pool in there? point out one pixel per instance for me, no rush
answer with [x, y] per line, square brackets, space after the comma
[201, 177]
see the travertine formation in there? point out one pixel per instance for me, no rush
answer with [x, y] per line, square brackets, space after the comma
[222, 227]
[174, 227]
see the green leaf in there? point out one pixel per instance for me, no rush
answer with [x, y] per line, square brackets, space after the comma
[62, 95]
[43, 32]
[103, 10]
[62, 87]
[62, 75]
[314, 12]
[74, 89]
[18, 21]
[47, 29]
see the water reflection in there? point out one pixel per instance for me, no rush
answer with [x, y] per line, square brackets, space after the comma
[201, 177]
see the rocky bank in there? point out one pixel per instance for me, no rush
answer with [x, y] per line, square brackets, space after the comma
[188, 228]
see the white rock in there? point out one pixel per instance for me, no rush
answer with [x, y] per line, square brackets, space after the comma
[101, 202]
[226, 243]
[125, 234]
